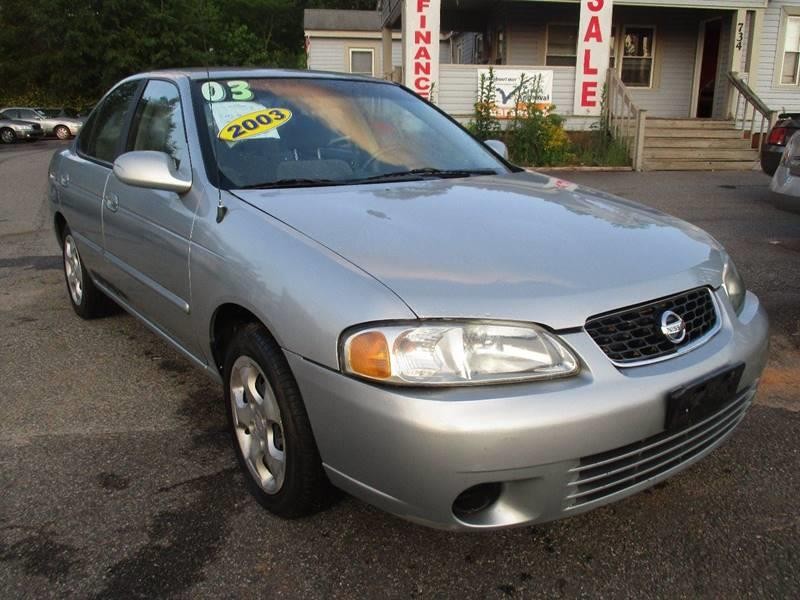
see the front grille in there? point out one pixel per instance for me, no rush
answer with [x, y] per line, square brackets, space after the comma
[602, 475]
[633, 334]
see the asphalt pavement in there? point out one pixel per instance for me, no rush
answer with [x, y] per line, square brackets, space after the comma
[117, 478]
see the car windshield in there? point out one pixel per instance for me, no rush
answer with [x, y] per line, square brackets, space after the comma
[271, 132]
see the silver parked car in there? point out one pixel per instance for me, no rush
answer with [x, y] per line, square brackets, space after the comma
[61, 125]
[393, 308]
[12, 130]
[785, 183]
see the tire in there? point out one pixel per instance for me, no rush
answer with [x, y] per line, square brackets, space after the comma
[269, 427]
[62, 132]
[87, 301]
[7, 136]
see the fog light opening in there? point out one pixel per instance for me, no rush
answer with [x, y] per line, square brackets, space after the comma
[476, 499]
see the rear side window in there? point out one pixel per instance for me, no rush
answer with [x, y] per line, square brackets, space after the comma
[158, 123]
[10, 114]
[101, 136]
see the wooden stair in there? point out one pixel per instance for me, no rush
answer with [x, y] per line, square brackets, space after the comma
[696, 145]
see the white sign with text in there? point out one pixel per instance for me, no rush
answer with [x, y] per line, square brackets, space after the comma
[594, 52]
[508, 84]
[421, 45]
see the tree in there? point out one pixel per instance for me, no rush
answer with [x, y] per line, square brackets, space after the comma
[71, 51]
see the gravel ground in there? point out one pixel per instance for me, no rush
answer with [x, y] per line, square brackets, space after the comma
[118, 480]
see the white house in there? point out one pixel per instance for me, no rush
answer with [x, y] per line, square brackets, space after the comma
[715, 71]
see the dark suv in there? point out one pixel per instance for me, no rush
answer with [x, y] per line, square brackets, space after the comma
[781, 133]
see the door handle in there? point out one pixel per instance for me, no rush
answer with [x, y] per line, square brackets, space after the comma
[65, 180]
[112, 202]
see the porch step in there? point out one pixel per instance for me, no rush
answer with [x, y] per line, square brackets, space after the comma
[653, 130]
[699, 165]
[696, 145]
[694, 142]
[710, 154]
[689, 123]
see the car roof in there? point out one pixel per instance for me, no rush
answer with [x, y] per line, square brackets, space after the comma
[195, 73]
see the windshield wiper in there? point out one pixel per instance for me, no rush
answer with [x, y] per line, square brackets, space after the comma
[414, 174]
[430, 172]
[294, 182]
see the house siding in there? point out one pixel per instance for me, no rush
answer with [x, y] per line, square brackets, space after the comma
[676, 47]
[777, 97]
[724, 4]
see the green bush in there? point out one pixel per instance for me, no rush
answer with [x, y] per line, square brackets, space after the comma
[598, 148]
[536, 134]
[485, 125]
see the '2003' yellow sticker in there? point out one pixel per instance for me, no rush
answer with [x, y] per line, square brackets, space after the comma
[255, 123]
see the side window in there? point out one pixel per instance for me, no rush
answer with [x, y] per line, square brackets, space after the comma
[158, 123]
[100, 137]
[29, 114]
[11, 114]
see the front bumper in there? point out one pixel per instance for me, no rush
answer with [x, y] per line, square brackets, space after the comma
[771, 158]
[412, 451]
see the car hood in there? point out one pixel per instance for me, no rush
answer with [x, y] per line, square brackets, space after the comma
[521, 246]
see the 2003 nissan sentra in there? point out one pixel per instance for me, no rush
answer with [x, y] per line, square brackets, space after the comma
[396, 310]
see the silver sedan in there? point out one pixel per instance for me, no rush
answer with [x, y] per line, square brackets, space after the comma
[61, 125]
[395, 310]
[12, 130]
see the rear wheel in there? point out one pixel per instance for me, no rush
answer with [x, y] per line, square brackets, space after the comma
[270, 429]
[7, 136]
[87, 301]
[62, 132]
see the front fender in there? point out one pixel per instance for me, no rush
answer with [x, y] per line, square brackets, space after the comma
[304, 293]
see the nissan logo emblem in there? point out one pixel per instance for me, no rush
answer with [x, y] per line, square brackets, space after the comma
[673, 327]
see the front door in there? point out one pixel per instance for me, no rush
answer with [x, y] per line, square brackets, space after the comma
[146, 231]
[708, 69]
[84, 173]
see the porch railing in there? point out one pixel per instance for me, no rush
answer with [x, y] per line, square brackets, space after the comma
[625, 121]
[760, 119]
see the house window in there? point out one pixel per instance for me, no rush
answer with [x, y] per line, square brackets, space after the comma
[562, 45]
[638, 47]
[361, 61]
[790, 75]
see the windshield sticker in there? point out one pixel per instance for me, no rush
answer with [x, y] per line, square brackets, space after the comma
[255, 123]
[238, 91]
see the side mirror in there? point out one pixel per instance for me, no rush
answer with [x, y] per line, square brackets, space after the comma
[498, 146]
[150, 169]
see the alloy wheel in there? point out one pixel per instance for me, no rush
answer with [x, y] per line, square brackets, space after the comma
[258, 424]
[72, 267]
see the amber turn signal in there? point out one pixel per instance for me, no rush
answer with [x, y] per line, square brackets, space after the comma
[368, 355]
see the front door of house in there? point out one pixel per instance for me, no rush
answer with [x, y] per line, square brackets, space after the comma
[708, 69]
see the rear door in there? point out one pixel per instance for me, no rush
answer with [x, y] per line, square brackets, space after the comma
[84, 170]
[147, 231]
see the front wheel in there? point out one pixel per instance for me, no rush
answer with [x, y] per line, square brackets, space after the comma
[62, 132]
[7, 136]
[270, 429]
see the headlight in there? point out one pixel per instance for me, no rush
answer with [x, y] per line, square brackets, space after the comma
[455, 353]
[734, 285]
